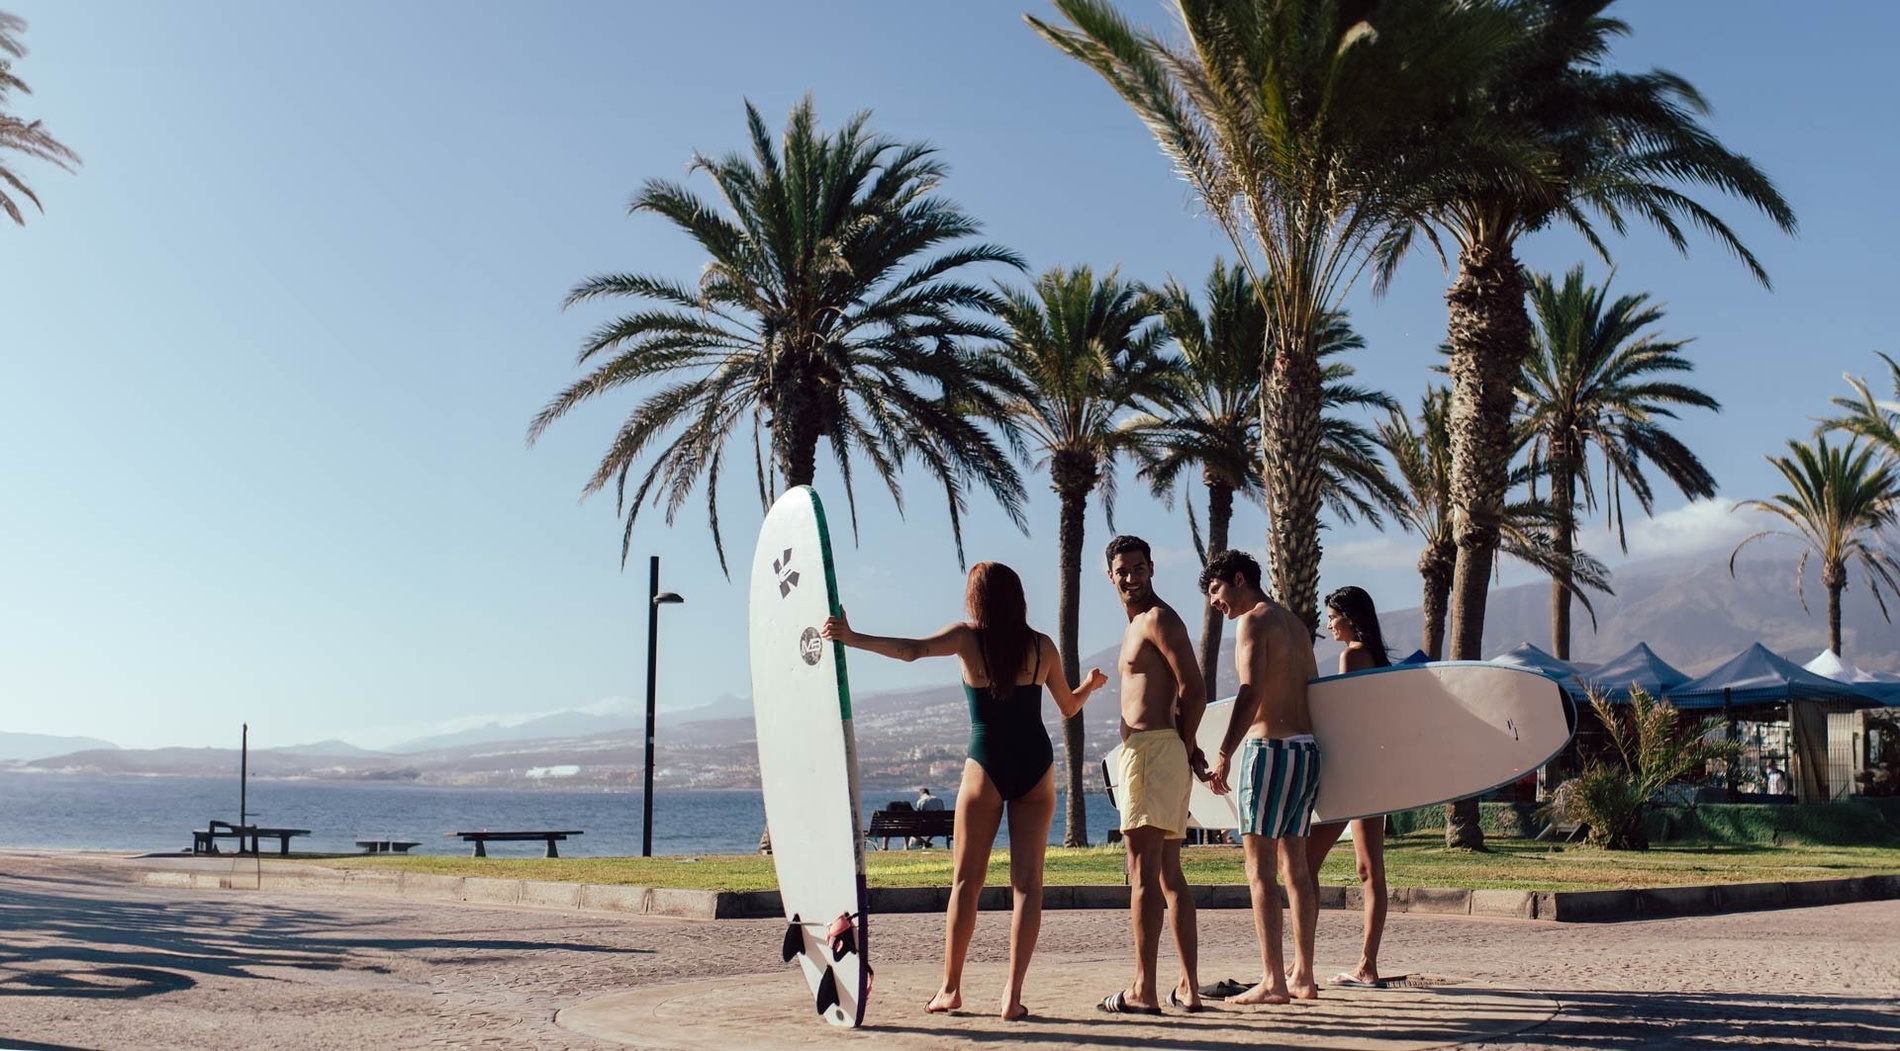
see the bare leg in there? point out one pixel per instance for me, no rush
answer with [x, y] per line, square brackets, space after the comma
[1303, 896]
[1261, 866]
[1029, 820]
[1145, 849]
[1368, 843]
[979, 812]
[1319, 843]
[1181, 917]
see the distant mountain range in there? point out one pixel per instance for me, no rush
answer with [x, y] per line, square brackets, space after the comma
[15, 747]
[1693, 616]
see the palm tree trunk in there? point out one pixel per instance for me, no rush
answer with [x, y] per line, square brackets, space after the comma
[1220, 513]
[1435, 566]
[1834, 579]
[1563, 505]
[795, 431]
[1290, 440]
[1074, 476]
[1489, 333]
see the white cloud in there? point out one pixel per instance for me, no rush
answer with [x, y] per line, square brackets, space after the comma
[1395, 551]
[1700, 528]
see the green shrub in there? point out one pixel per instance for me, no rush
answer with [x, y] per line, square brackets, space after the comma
[1649, 745]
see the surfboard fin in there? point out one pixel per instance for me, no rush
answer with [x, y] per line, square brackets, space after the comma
[794, 940]
[827, 992]
[843, 935]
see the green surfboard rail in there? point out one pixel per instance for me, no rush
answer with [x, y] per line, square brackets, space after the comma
[831, 595]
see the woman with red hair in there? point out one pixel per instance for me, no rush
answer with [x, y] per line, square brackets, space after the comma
[1006, 664]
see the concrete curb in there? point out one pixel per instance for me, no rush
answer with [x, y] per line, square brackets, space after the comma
[1590, 906]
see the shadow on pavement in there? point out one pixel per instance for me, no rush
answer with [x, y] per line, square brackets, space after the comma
[91, 946]
[1598, 1019]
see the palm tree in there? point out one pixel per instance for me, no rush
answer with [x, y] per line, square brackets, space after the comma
[1591, 381]
[1869, 417]
[1616, 145]
[1212, 419]
[1080, 350]
[1421, 459]
[1839, 500]
[1612, 145]
[832, 307]
[1312, 133]
[28, 137]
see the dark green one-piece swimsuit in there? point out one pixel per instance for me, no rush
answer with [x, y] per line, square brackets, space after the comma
[1007, 738]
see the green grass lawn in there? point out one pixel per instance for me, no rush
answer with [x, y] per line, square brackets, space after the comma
[1411, 861]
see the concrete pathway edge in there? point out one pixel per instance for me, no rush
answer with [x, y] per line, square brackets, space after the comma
[1590, 906]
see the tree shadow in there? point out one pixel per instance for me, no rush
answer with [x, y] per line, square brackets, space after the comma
[89, 946]
[1609, 1019]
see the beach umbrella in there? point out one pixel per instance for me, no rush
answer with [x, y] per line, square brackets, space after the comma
[1524, 655]
[1760, 683]
[1636, 666]
[1884, 688]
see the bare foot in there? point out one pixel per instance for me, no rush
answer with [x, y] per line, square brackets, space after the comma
[945, 1000]
[1261, 994]
[1015, 1012]
[1306, 989]
[1185, 998]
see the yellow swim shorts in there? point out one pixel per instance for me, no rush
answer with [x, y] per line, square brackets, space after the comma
[1152, 782]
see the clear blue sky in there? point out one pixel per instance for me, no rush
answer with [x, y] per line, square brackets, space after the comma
[269, 358]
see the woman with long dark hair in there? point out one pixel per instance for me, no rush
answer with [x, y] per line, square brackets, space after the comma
[1353, 620]
[1006, 664]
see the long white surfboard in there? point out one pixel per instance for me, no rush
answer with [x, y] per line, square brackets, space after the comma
[808, 762]
[1411, 736]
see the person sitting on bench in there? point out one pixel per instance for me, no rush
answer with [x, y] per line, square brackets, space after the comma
[925, 801]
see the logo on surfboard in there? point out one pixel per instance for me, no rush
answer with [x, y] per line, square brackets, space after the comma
[787, 577]
[811, 645]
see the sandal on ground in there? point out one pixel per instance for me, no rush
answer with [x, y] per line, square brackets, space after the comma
[1225, 988]
[1347, 978]
[1116, 1003]
[1175, 1001]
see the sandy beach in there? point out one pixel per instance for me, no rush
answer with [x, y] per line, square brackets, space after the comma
[93, 960]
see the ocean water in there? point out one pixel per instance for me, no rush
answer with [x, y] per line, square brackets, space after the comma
[158, 814]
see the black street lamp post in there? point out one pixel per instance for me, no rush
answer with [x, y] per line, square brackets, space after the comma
[655, 599]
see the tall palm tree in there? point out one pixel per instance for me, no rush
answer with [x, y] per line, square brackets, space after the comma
[1618, 145]
[1838, 501]
[1591, 381]
[1081, 350]
[28, 137]
[1312, 132]
[832, 307]
[1212, 419]
[1421, 460]
[1613, 145]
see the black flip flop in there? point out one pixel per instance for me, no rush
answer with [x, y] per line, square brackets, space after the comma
[1225, 988]
[1116, 1003]
[1175, 1001]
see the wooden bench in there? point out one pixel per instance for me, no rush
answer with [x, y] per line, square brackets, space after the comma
[205, 840]
[483, 838]
[386, 846]
[911, 824]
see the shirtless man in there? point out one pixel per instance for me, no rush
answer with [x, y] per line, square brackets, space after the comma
[1162, 702]
[1277, 767]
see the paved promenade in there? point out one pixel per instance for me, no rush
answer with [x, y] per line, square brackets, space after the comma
[91, 959]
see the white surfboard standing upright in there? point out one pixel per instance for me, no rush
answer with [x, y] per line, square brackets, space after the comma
[808, 762]
[1410, 736]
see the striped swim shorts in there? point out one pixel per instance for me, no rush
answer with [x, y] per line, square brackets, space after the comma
[1279, 780]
